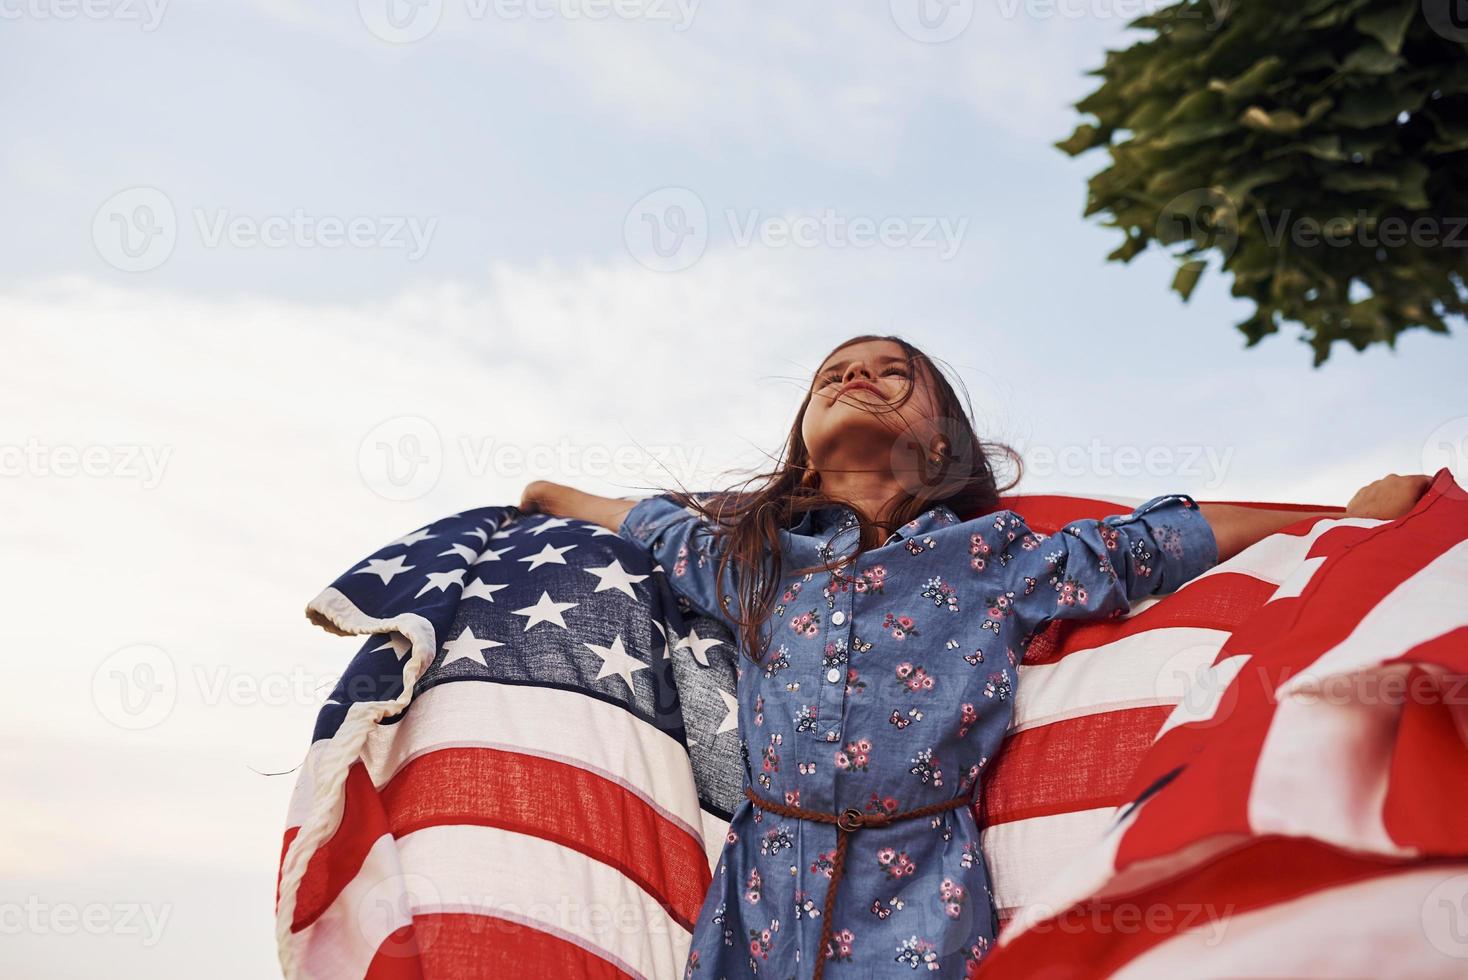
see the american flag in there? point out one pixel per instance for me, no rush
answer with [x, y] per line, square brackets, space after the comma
[1291, 801]
[553, 797]
[560, 811]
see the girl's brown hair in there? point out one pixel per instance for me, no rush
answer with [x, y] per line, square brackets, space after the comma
[956, 472]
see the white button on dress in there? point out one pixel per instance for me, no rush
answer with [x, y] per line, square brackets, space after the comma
[838, 617]
[833, 675]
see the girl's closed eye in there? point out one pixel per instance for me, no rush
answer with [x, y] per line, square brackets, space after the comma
[831, 379]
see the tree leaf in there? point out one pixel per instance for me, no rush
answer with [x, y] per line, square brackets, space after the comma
[1187, 277]
[1372, 59]
[1283, 122]
[1084, 138]
[1251, 82]
[1388, 24]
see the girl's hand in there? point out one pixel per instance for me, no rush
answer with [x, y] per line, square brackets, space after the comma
[539, 497]
[559, 500]
[1388, 498]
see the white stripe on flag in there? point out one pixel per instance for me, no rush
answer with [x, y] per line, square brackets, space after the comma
[1045, 845]
[1425, 606]
[548, 887]
[1149, 668]
[536, 883]
[1382, 927]
[546, 723]
[1206, 688]
[1275, 558]
[340, 944]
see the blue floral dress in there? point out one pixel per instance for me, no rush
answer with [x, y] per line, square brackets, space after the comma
[888, 685]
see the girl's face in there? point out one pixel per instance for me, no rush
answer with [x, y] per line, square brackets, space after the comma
[850, 419]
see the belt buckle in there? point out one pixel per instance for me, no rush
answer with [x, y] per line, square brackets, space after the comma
[851, 819]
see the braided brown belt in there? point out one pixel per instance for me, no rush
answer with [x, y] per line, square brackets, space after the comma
[847, 821]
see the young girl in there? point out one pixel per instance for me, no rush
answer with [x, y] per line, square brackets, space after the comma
[883, 634]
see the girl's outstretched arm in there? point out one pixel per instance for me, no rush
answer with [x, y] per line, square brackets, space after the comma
[682, 542]
[1236, 528]
[545, 497]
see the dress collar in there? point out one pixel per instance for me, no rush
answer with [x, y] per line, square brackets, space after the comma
[838, 518]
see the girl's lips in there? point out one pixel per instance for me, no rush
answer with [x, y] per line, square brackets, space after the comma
[858, 386]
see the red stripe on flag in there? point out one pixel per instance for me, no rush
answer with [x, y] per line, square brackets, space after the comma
[480, 947]
[1048, 513]
[337, 861]
[1037, 773]
[488, 787]
[1224, 601]
[1426, 796]
[1099, 936]
[558, 802]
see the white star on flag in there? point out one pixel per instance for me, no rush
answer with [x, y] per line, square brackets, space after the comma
[462, 550]
[731, 720]
[482, 590]
[664, 629]
[547, 610]
[442, 581]
[614, 576]
[549, 555]
[467, 647]
[492, 554]
[399, 645]
[549, 525]
[477, 532]
[384, 568]
[697, 646]
[408, 540]
[616, 660]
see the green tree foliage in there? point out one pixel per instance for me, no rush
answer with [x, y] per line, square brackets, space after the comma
[1318, 147]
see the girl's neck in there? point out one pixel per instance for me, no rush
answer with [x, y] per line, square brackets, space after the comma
[873, 495]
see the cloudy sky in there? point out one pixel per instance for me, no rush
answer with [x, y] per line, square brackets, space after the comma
[286, 279]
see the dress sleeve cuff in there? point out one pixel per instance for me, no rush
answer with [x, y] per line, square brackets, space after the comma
[649, 516]
[1182, 533]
